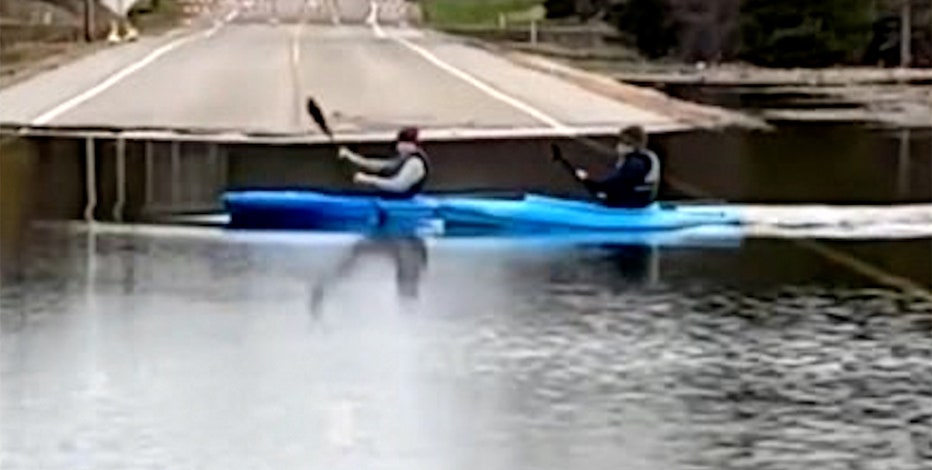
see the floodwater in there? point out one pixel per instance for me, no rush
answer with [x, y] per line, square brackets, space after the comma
[805, 164]
[200, 348]
[167, 348]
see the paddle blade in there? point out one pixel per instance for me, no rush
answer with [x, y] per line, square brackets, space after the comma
[318, 116]
[556, 153]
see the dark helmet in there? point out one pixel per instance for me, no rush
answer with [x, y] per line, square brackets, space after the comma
[634, 136]
[408, 134]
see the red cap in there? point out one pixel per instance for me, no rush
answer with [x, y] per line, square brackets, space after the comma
[408, 134]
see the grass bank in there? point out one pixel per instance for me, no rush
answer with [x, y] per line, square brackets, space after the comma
[479, 12]
[154, 16]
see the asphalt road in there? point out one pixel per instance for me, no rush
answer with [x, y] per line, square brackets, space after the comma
[243, 71]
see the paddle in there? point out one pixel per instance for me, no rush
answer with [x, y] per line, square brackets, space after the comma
[318, 116]
[557, 156]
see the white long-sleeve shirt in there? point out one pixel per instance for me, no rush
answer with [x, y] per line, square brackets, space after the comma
[410, 173]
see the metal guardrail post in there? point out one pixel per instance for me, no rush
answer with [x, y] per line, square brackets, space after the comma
[213, 167]
[150, 177]
[903, 174]
[90, 179]
[120, 179]
[175, 172]
[89, 20]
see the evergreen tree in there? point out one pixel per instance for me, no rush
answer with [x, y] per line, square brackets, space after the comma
[651, 23]
[805, 33]
[560, 8]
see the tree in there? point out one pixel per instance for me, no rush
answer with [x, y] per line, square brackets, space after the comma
[583, 9]
[560, 8]
[650, 23]
[805, 33]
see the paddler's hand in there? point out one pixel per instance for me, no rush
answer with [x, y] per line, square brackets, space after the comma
[582, 174]
[360, 178]
[344, 153]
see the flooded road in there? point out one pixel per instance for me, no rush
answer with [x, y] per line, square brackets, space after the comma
[132, 346]
[199, 348]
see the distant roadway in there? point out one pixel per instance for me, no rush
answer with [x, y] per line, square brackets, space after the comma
[248, 66]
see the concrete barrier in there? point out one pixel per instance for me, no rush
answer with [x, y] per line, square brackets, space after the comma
[117, 179]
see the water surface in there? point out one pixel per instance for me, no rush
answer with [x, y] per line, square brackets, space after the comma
[193, 349]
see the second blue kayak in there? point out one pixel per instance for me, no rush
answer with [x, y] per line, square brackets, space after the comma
[536, 212]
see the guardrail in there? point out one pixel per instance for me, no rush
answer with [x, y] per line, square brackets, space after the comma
[534, 32]
[133, 176]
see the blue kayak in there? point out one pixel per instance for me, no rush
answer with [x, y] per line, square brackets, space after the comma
[320, 210]
[542, 213]
[530, 213]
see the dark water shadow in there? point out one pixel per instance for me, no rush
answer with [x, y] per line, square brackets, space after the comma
[802, 164]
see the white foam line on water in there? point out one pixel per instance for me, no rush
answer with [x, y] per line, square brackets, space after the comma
[917, 216]
[200, 232]
[865, 233]
[121, 75]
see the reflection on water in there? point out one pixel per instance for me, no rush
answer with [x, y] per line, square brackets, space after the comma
[133, 350]
[407, 253]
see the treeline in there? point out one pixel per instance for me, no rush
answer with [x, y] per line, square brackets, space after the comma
[782, 33]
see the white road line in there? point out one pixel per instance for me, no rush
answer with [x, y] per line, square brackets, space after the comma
[57, 111]
[466, 77]
[109, 82]
[541, 116]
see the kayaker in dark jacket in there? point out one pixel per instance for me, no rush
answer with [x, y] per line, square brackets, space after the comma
[402, 176]
[635, 180]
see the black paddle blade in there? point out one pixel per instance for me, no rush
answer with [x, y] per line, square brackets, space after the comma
[317, 115]
[555, 152]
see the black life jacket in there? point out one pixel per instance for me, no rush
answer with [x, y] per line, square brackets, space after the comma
[650, 185]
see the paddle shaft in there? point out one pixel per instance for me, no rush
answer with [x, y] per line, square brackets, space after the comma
[557, 155]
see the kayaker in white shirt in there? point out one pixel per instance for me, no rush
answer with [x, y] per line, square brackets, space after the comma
[402, 176]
